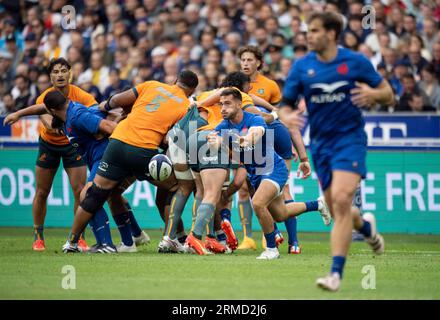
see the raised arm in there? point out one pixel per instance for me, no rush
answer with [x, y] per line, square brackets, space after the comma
[34, 110]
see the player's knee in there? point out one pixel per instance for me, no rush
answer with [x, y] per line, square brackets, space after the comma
[258, 206]
[77, 190]
[42, 194]
[94, 199]
[341, 200]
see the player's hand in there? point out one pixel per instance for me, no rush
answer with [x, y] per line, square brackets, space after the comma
[213, 139]
[101, 106]
[11, 119]
[305, 168]
[295, 155]
[293, 120]
[363, 95]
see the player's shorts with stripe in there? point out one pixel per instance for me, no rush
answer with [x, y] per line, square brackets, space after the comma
[121, 160]
[50, 155]
[345, 152]
[278, 176]
[282, 140]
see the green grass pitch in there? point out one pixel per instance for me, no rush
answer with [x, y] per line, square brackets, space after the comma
[410, 269]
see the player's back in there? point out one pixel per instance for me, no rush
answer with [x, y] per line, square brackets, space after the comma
[75, 94]
[266, 89]
[157, 108]
[326, 88]
[81, 127]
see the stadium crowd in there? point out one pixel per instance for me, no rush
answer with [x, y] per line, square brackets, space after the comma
[117, 44]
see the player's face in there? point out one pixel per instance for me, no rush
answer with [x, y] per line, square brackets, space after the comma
[60, 76]
[249, 64]
[317, 36]
[230, 107]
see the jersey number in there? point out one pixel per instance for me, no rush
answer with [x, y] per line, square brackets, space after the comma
[155, 103]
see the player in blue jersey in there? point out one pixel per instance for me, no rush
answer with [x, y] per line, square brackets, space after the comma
[335, 82]
[246, 136]
[87, 130]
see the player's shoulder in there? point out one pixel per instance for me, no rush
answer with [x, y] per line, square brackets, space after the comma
[346, 53]
[306, 60]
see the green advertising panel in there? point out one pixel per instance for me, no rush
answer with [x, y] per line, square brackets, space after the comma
[402, 189]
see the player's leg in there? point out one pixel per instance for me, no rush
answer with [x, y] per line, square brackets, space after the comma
[291, 223]
[44, 179]
[245, 212]
[77, 179]
[266, 192]
[112, 169]
[212, 180]
[339, 197]
[185, 188]
[366, 225]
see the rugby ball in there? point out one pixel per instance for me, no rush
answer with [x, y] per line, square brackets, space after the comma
[160, 167]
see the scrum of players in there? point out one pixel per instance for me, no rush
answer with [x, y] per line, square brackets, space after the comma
[224, 141]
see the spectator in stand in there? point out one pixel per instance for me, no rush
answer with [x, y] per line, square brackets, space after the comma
[8, 105]
[24, 95]
[116, 84]
[417, 103]
[410, 87]
[430, 85]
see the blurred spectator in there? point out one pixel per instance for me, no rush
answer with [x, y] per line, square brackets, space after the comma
[430, 85]
[171, 70]
[273, 58]
[99, 72]
[10, 29]
[417, 103]
[350, 40]
[7, 104]
[430, 33]
[416, 61]
[85, 82]
[12, 48]
[116, 84]
[158, 56]
[410, 87]
[22, 98]
[211, 72]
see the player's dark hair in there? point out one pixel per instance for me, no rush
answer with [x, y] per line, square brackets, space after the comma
[60, 61]
[54, 100]
[188, 79]
[252, 49]
[235, 79]
[232, 92]
[330, 21]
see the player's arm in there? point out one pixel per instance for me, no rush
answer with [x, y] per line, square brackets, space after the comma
[235, 185]
[253, 136]
[34, 110]
[211, 100]
[124, 100]
[365, 96]
[304, 163]
[258, 101]
[106, 126]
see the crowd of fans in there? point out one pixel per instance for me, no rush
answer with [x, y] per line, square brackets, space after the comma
[117, 44]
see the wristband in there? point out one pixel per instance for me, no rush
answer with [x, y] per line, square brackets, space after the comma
[305, 159]
[107, 104]
[274, 114]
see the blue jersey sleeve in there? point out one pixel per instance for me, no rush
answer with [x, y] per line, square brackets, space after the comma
[292, 86]
[258, 121]
[222, 126]
[85, 120]
[367, 73]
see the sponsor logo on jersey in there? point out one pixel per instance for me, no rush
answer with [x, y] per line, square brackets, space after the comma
[329, 95]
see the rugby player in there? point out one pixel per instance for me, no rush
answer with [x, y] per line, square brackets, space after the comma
[335, 82]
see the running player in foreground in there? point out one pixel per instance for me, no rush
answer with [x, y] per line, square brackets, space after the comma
[335, 82]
